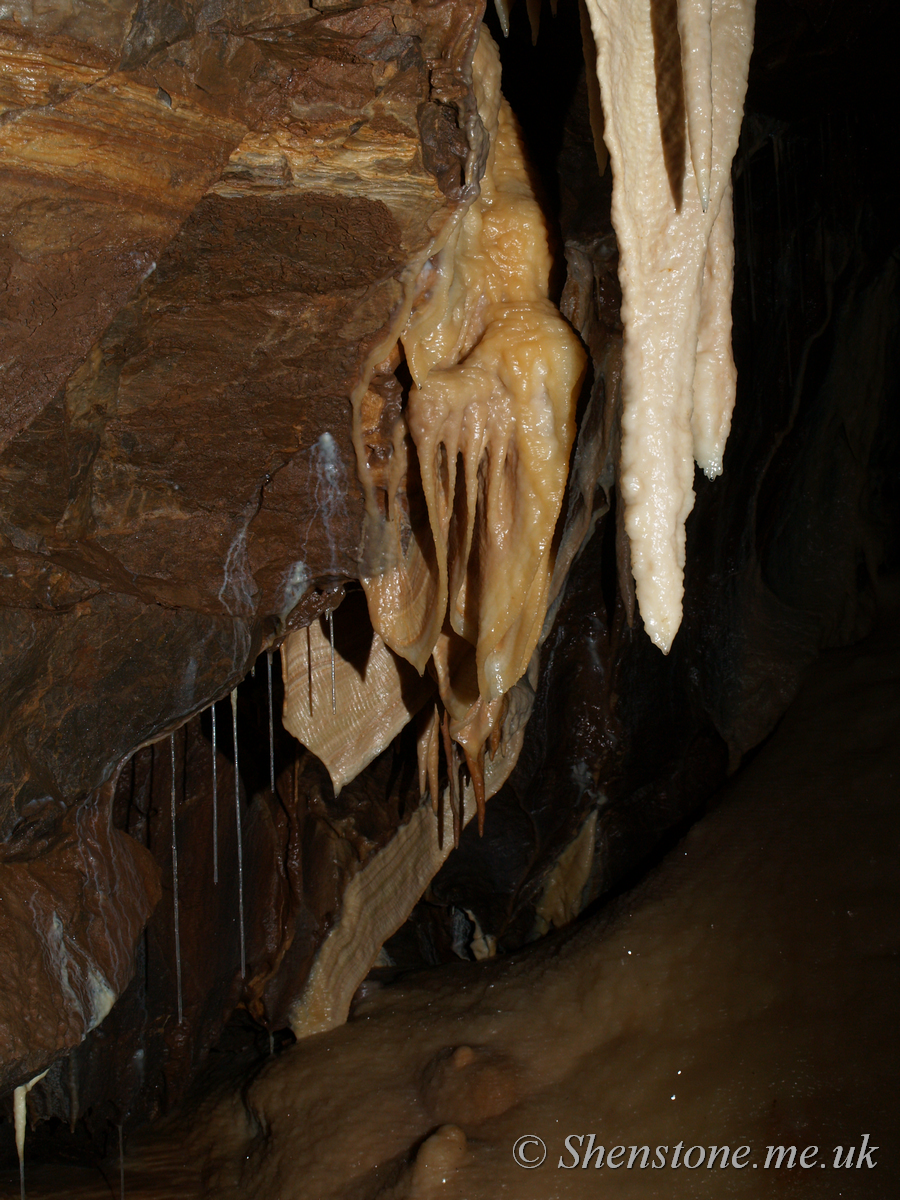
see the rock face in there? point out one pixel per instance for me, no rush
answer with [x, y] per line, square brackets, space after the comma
[203, 236]
[207, 215]
[75, 901]
[211, 212]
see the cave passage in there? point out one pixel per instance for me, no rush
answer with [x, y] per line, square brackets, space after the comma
[675, 924]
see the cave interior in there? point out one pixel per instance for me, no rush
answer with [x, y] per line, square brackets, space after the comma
[210, 215]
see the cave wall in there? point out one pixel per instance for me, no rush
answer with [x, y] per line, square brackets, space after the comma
[209, 214]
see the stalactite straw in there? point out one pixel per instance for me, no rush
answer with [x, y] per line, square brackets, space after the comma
[175, 888]
[215, 798]
[331, 637]
[271, 727]
[240, 849]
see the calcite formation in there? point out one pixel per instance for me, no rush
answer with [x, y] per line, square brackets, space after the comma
[347, 698]
[673, 98]
[496, 375]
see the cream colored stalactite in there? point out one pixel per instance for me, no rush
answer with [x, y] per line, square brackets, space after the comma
[504, 8]
[695, 35]
[534, 18]
[595, 103]
[20, 1117]
[715, 375]
[676, 297]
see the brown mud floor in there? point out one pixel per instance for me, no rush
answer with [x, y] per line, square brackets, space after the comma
[747, 994]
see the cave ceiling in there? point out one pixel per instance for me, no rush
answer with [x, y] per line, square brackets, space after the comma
[214, 217]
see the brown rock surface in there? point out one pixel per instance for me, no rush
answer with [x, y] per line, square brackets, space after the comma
[75, 896]
[201, 246]
[208, 218]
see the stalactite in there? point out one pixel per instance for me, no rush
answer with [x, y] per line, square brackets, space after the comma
[671, 148]
[534, 18]
[271, 722]
[496, 374]
[215, 798]
[20, 1114]
[240, 848]
[175, 906]
[503, 10]
[331, 640]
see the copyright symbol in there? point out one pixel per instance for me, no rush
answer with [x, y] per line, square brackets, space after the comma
[521, 1151]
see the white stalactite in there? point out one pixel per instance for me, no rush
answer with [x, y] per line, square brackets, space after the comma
[673, 80]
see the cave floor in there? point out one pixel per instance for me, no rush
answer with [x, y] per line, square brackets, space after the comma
[745, 995]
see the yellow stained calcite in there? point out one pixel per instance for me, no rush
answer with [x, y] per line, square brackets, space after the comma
[496, 373]
[673, 80]
[460, 562]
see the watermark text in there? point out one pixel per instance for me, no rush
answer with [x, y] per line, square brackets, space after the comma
[583, 1150]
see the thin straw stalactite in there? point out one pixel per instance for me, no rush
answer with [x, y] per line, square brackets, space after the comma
[215, 798]
[175, 912]
[240, 849]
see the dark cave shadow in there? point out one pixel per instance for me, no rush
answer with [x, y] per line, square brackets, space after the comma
[669, 92]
